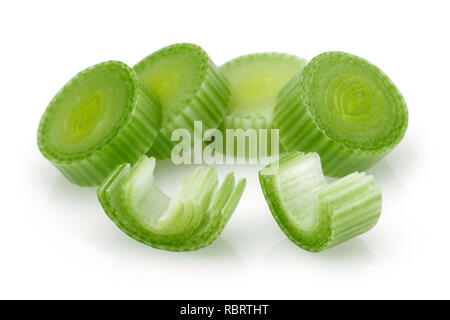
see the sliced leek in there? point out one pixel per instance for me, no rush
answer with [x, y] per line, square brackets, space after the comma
[104, 116]
[190, 88]
[313, 214]
[255, 81]
[192, 219]
[344, 108]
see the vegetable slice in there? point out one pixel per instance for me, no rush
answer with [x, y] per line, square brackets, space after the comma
[255, 81]
[190, 88]
[344, 108]
[104, 116]
[192, 219]
[313, 214]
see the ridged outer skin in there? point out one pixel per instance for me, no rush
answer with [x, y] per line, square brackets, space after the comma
[209, 105]
[346, 208]
[126, 144]
[300, 131]
[213, 220]
[354, 208]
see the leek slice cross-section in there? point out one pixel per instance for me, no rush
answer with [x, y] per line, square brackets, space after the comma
[104, 116]
[344, 108]
[192, 219]
[190, 87]
[313, 214]
[255, 81]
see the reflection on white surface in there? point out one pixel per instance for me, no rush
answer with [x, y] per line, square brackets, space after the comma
[220, 258]
[353, 254]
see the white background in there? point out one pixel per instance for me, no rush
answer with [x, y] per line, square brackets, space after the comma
[55, 240]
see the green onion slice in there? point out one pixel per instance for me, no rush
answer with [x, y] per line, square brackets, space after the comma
[104, 116]
[255, 81]
[344, 108]
[313, 214]
[189, 86]
[192, 219]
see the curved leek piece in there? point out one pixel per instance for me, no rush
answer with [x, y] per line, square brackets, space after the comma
[192, 219]
[344, 108]
[104, 116]
[313, 214]
[255, 81]
[190, 88]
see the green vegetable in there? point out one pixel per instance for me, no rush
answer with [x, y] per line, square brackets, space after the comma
[344, 108]
[192, 219]
[104, 116]
[190, 88]
[255, 81]
[313, 214]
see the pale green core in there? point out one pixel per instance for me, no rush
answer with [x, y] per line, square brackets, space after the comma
[85, 117]
[296, 185]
